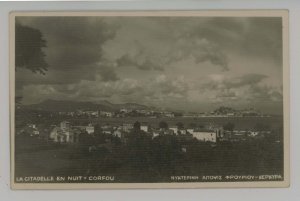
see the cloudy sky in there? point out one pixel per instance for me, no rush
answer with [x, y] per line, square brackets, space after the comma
[178, 63]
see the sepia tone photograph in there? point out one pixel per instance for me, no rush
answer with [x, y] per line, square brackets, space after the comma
[140, 99]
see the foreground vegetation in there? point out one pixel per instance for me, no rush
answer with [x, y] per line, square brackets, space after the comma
[143, 159]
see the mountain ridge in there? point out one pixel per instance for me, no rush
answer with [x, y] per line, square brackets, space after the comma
[68, 106]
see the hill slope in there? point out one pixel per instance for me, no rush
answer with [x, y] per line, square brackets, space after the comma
[66, 106]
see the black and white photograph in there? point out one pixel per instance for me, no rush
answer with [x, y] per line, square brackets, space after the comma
[165, 99]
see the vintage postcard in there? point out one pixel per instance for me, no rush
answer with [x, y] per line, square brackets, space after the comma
[149, 99]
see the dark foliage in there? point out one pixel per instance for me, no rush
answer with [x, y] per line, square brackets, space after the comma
[144, 159]
[163, 125]
[180, 125]
[29, 44]
[229, 126]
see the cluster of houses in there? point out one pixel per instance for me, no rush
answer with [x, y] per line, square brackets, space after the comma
[124, 112]
[81, 113]
[227, 112]
[29, 129]
[67, 133]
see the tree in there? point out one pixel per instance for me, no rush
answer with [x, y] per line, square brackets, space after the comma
[193, 125]
[229, 126]
[177, 114]
[163, 125]
[137, 126]
[29, 44]
[166, 151]
[180, 125]
[85, 139]
[97, 129]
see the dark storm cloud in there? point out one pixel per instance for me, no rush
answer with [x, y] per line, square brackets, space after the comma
[248, 79]
[145, 64]
[226, 94]
[74, 42]
[54, 76]
[99, 88]
[215, 57]
[251, 36]
[200, 49]
[249, 87]
[158, 61]
[108, 73]
[74, 46]
[150, 91]
[235, 82]
[264, 93]
[264, 37]
[149, 43]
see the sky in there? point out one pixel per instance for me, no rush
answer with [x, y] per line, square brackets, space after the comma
[191, 64]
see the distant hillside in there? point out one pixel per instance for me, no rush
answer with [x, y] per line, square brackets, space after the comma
[67, 106]
[224, 110]
[132, 106]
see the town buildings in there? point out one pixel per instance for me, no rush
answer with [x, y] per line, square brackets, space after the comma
[204, 135]
[65, 132]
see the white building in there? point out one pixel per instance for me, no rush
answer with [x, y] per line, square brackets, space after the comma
[32, 130]
[107, 131]
[144, 128]
[174, 129]
[127, 127]
[230, 114]
[90, 129]
[204, 135]
[64, 125]
[253, 133]
[117, 133]
[54, 133]
[95, 114]
[169, 114]
[61, 135]
[32, 126]
[155, 134]
[36, 132]
[106, 114]
[125, 110]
